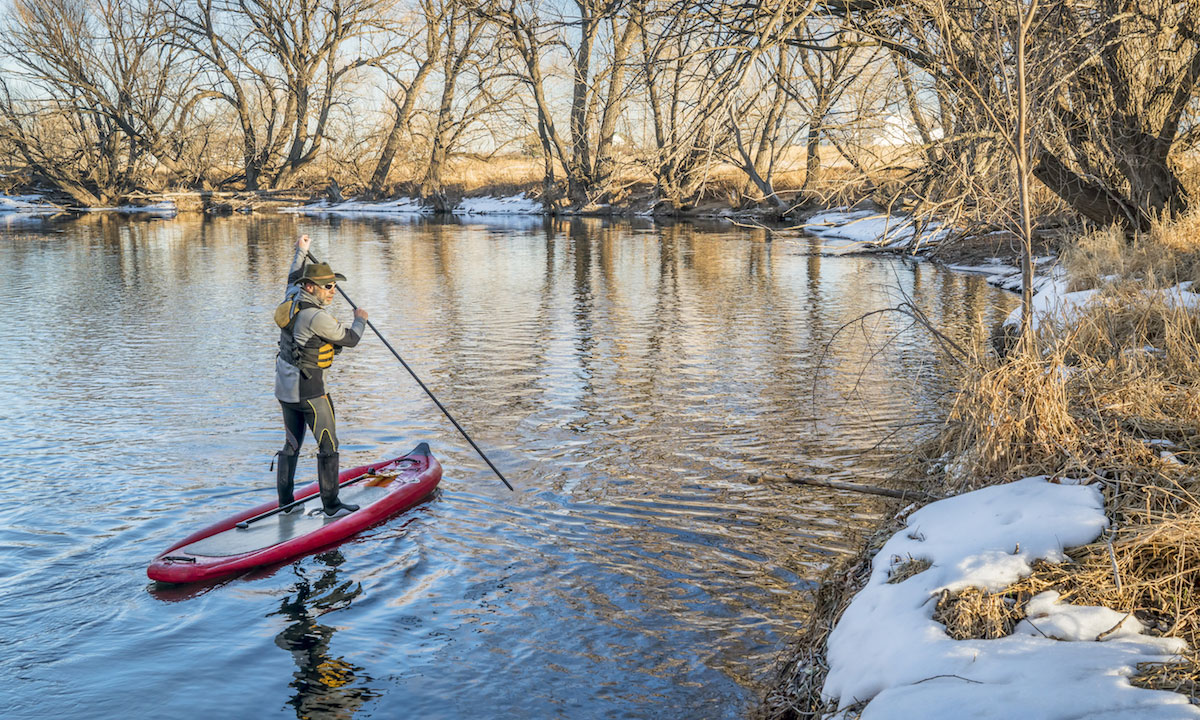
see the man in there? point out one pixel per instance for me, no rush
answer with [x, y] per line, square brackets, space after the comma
[309, 337]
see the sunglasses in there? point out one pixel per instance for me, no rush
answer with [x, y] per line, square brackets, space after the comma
[329, 286]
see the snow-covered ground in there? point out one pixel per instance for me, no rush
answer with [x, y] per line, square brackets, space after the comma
[887, 648]
[517, 204]
[159, 209]
[164, 209]
[514, 205]
[1054, 305]
[1008, 276]
[26, 205]
[36, 205]
[404, 206]
[852, 229]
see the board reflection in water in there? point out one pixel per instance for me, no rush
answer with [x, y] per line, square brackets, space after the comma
[327, 686]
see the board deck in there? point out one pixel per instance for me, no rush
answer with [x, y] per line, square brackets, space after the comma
[381, 490]
[280, 527]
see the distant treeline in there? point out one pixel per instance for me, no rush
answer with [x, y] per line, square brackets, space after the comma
[932, 106]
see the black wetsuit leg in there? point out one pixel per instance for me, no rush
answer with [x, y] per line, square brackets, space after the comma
[320, 416]
[293, 423]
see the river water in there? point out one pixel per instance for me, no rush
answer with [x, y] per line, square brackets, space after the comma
[630, 380]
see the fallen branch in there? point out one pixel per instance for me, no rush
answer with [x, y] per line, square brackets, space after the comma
[852, 487]
[1114, 628]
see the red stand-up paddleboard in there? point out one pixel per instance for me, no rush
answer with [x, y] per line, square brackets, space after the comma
[262, 536]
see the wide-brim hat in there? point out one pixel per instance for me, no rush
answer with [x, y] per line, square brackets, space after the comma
[320, 274]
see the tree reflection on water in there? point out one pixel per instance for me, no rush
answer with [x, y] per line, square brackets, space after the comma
[327, 686]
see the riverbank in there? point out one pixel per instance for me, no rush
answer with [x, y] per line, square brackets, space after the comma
[862, 228]
[1058, 578]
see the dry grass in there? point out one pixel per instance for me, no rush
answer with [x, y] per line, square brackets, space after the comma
[725, 185]
[1113, 398]
[1169, 254]
[1093, 394]
[1149, 568]
[976, 613]
[496, 176]
[908, 568]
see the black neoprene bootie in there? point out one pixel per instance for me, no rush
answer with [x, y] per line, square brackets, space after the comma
[327, 478]
[285, 475]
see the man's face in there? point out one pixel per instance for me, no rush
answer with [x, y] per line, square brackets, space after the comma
[324, 292]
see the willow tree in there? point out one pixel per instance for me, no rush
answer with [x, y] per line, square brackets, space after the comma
[93, 99]
[595, 38]
[697, 61]
[471, 90]
[409, 69]
[1113, 82]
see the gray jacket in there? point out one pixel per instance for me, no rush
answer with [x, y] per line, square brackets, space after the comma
[311, 327]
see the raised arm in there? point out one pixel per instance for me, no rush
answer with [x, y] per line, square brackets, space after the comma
[299, 259]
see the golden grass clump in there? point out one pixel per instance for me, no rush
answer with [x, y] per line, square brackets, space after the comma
[1177, 677]
[908, 568]
[1103, 397]
[1008, 420]
[1167, 255]
[1149, 569]
[974, 613]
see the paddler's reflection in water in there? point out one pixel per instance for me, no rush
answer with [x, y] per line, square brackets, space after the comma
[326, 686]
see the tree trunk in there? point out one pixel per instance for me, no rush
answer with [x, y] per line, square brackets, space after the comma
[403, 111]
[812, 158]
[579, 165]
[1087, 198]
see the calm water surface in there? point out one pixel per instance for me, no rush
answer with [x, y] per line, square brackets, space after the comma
[629, 381]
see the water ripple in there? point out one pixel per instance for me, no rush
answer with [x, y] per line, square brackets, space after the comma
[629, 381]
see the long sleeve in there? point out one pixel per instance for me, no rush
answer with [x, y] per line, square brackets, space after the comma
[299, 260]
[325, 326]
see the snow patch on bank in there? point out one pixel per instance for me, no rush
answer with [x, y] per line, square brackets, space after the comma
[517, 204]
[850, 228]
[888, 649]
[1008, 277]
[1054, 306]
[514, 205]
[405, 206]
[26, 205]
[165, 208]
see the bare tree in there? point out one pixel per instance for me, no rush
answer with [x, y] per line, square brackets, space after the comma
[469, 90]
[695, 60]
[1115, 81]
[421, 55]
[95, 101]
[596, 39]
[281, 66]
[756, 151]
[828, 55]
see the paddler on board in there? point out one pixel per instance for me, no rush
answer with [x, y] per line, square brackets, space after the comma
[309, 337]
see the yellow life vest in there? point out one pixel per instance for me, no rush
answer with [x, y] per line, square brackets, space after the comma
[310, 355]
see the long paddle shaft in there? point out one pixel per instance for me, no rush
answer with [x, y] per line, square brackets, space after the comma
[428, 392]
